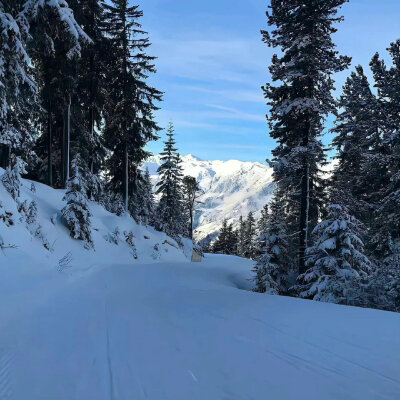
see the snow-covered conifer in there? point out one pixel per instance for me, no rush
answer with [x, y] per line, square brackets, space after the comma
[385, 182]
[142, 203]
[17, 85]
[92, 78]
[250, 237]
[12, 176]
[171, 216]
[262, 223]
[357, 128]
[55, 46]
[337, 265]
[273, 270]
[130, 101]
[191, 194]
[241, 237]
[226, 242]
[300, 98]
[76, 212]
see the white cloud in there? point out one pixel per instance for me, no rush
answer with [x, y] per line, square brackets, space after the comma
[234, 60]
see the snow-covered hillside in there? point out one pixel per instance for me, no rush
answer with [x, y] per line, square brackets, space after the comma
[232, 189]
[179, 331]
[47, 240]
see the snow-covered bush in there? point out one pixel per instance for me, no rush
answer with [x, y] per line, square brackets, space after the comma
[30, 214]
[383, 289]
[113, 203]
[12, 176]
[338, 268]
[114, 236]
[76, 212]
[129, 240]
[5, 216]
[94, 186]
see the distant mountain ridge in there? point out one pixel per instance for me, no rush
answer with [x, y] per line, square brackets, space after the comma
[231, 189]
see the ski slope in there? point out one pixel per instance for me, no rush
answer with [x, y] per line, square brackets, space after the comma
[179, 331]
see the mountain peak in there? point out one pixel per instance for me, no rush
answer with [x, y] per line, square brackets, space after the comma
[189, 157]
[231, 189]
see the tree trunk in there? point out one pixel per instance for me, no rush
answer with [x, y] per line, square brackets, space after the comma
[191, 224]
[4, 155]
[304, 218]
[63, 152]
[68, 136]
[49, 148]
[126, 178]
[92, 135]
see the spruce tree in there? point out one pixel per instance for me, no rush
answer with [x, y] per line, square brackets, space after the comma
[191, 194]
[262, 223]
[338, 267]
[226, 242]
[12, 176]
[130, 102]
[273, 269]
[386, 230]
[241, 237]
[171, 217]
[89, 98]
[17, 85]
[142, 205]
[250, 235]
[76, 212]
[357, 140]
[300, 99]
[55, 46]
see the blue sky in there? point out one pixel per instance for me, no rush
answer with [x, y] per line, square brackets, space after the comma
[212, 63]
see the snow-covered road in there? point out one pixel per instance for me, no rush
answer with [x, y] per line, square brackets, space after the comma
[184, 331]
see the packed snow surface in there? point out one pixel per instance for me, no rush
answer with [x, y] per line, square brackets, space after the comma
[174, 330]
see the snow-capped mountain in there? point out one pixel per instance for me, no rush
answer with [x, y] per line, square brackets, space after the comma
[231, 189]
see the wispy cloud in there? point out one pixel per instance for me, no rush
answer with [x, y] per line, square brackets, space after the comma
[249, 96]
[234, 60]
[230, 112]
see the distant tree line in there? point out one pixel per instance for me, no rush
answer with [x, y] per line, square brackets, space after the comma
[243, 241]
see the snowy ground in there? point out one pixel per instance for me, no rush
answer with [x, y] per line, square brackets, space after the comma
[182, 331]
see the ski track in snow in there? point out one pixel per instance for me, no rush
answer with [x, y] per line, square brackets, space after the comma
[180, 331]
[6, 362]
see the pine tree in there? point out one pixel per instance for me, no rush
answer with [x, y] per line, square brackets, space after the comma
[12, 176]
[262, 223]
[76, 212]
[383, 288]
[89, 97]
[226, 242]
[250, 235]
[338, 267]
[17, 85]
[241, 237]
[273, 269]
[171, 217]
[191, 194]
[300, 99]
[357, 128]
[130, 102]
[142, 206]
[386, 188]
[55, 46]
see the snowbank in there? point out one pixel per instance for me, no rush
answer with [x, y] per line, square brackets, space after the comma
[48, 243]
